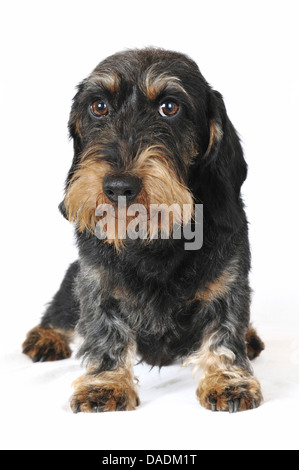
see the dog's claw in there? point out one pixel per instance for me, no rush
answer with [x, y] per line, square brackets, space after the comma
[236, 405]
[77, 409]
[233, 405]
[213, 407]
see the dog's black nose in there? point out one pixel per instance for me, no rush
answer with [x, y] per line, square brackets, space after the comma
[123, 185]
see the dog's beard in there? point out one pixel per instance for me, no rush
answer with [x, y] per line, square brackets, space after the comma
[162, 200]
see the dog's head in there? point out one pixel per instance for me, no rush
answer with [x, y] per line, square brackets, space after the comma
[146, 125]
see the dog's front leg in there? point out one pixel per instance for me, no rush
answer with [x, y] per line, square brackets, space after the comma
[108, 348]
[113, 390]
[109, 384]
[227, 383]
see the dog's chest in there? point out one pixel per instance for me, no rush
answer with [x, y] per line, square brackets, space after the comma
[162, 323]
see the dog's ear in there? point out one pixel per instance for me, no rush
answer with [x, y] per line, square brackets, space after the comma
[75, 124]
[75, 133]
[224, 143]
[222, 169]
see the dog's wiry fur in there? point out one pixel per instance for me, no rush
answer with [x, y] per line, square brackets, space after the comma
[152, 298]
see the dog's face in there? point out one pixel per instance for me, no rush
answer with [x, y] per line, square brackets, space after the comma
[146, 125]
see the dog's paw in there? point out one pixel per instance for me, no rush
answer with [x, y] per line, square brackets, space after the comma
[96, 398]
[46, 344]
[231, 390]
[254, 344]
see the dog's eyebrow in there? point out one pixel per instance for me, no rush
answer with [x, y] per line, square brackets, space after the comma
[153, 85]
[108, 80]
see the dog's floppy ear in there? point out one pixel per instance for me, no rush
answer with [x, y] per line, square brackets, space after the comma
[222, 169]
[75, 124]
[75, 134]
[224, 143]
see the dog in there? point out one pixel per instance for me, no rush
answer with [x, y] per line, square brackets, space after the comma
[146, 126]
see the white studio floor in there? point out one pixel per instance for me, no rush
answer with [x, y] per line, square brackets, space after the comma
[35, 413]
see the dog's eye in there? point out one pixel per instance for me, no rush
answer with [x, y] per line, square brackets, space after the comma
[99, 108]
[170, 108]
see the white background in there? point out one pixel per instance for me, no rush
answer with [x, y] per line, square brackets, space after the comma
[247, 50]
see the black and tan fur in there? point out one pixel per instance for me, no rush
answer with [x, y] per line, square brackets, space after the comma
[151, 298]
